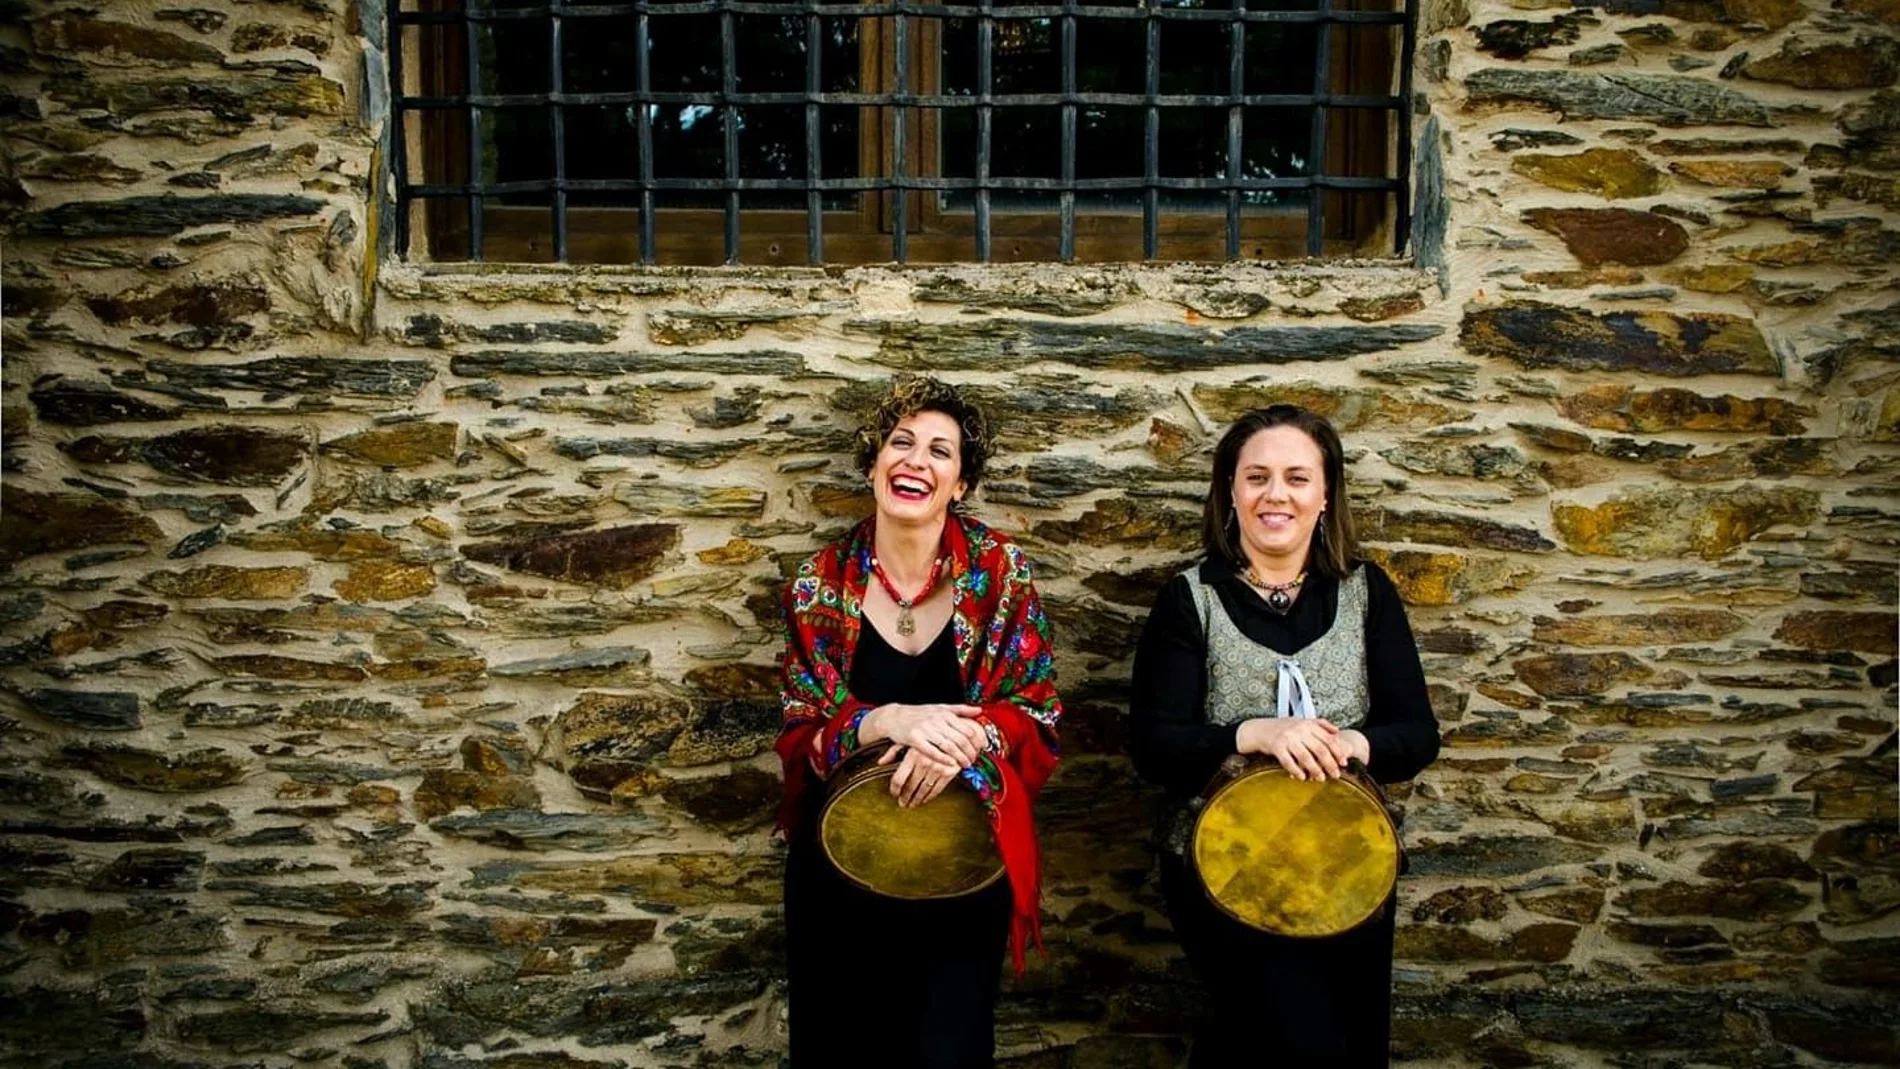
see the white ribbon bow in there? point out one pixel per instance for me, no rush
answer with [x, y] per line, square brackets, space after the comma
[1295, 699]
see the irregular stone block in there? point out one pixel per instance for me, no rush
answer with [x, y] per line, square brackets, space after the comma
[1559, 675]
[92, 710]
[524, 829]
[743, 799]
[75, 35]
[1429, 578]
[1448, 529]
[1538, 335]
[101, 1017]
[1517, 38]
[86, 404]
[1663, 99]
[225, 581]
[1580, 904]
[1613, 235]
[1125, 521]
[1347, 408]
[272, 666]
[405, 445]
[203, 769]
[679, 880]
[614, 557]
[266, 1027]
[1740, 862]
[1614, 174]
[197, 304]
[1734, 174]
[1868, 632]
[1756, 900]
[1639, 629]
[1868, 63]
[160, 216]
[47, 523]
[345, 899]
[588, 365]
[444, 790]
[601, 666]
[1624, 408]
[157, 868]
[1648, 525]
[672, 501]
[374, 580]
[999, 344]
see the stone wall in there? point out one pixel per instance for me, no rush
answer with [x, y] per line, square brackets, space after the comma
[386, 658]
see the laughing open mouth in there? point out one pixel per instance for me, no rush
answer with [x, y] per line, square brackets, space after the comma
[908, 489]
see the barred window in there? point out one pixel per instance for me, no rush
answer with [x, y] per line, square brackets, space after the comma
[816, 131]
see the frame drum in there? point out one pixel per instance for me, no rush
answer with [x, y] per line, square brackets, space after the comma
[1303, 858]
[941, 849]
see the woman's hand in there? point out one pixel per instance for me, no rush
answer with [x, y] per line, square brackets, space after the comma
[1306, 748]
[918, 779]
[944, 734]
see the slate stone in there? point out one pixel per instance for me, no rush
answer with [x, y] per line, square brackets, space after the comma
[743, 799]
[602, 665]
[1614, 174]
[160, 216]
[1495, 855]
[1536, 335]
[591, 365]
[151, 869]
[1663, 99]
[404, 445]
[1756, 900]
[279, 377]
[87, 404]
[613, 557]
[1003, 344]
[1710, 524]
[266, 1026]
[1868, 632]
[232, 454]
[91, 710]
[45, 523]
[196, 304]
[346, 899]
[202, 769]
[48, 1021]
[524, 829]
[1867, 63]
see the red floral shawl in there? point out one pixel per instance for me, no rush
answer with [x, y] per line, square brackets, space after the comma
[1003, 652]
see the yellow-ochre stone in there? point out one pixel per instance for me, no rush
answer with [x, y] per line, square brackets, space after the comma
[1611, 173]
[376, 580]
[235, 584]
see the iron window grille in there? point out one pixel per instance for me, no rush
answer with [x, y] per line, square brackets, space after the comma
[474, 135]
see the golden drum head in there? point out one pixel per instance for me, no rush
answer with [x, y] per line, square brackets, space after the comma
[1295, 857]
[941, 849]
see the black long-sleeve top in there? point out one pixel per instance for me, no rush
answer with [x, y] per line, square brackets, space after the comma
[1172, 743]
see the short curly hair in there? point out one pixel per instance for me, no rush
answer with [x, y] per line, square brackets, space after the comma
[911, 394]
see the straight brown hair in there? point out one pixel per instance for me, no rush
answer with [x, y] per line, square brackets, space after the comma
[1335, 546]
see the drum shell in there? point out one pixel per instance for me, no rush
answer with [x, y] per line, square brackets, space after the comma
[941, 849]
[1304, 859]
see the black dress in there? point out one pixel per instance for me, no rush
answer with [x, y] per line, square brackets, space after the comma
[1276, 1001]
[881, 981]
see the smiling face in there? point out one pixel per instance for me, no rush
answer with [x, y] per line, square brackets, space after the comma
[1279, 492]
[919, 471]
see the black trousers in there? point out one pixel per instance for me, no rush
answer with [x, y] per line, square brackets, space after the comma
[881, 981]
[1279, 1001]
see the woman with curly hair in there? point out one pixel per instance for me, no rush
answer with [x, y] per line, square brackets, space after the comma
[920, 628]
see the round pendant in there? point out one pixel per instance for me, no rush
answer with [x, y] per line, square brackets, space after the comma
[1278, 601]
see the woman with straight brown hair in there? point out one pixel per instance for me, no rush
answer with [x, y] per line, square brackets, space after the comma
[1282, 642]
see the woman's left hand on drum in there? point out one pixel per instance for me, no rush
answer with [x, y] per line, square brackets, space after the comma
[918, 778]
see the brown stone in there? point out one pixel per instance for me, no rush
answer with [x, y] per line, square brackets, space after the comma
[1428, 578]
[1387, 306]
[613, 557]
[405, 445]
[1757, 900]
[1624, 408]
[1536, 335]
[1536, 783]
[1136, 587]
[444, 790]
[1742, 861]
[1639, 629]
[271, 666]
[236, 584]
[232, 455]
[258, 36]
[1734, 174]
[195, 304]
[1614, 174]
[78, 167]
[1121, 520]
[1462, 905]
[1868, 63]
[740, 800]
[38, 522]
[1650, 525]
[1613, 235]
[1534, 942]
[200, 769]
[1169, 442]
[1867, 632]
[374, 580]
[1873, 189]
[1559, 675]
[607, 739]
[1592, 822]
[121, 614]
[745, 682]
[1580, 904]
[1771, 459]
[1509, 697]
[1714, 278]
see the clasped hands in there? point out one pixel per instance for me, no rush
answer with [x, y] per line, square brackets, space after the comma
[934, 743]
[1306, 748]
